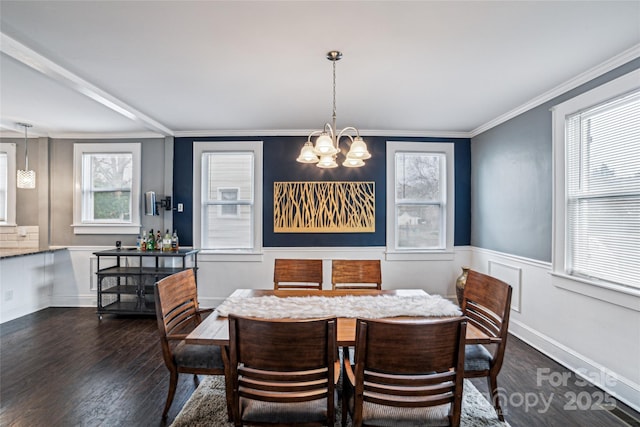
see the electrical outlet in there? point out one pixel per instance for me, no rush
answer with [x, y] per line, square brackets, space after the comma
[180, 207]
[8, 295]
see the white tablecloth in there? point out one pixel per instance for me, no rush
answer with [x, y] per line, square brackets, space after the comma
[365, 306]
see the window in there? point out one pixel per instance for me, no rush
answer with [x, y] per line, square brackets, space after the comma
[107, 188]
[7, 184]
[603, 191]
[597, 200]
[419, 199]
[227, 188]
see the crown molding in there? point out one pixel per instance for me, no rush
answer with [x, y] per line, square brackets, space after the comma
[85, 136]
[306, 132]
[614, 62]
[242, 132]
[107, 136]
[9, 132]
[416, 133]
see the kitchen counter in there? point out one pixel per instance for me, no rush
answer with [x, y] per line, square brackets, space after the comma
[15, 252]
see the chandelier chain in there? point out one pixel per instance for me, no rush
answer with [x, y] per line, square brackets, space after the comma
[334, 90]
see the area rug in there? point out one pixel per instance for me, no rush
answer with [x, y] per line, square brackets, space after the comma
[207, 407]
[367, 306]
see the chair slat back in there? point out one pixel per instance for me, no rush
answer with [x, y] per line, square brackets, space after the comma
[264, 367]
[177, 302]
[409, 365]
[356, 274]
[487, 303]
[176, 299]
[297, 274]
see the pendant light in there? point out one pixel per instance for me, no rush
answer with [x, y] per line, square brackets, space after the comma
[26, 178]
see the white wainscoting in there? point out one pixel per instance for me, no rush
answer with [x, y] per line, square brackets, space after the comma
[598, 340]
[218, 279]
[75, 283]
[509, 274]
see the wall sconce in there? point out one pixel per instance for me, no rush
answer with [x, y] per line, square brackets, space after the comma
[152, 206]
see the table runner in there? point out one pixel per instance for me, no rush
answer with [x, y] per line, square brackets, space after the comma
[372, 307]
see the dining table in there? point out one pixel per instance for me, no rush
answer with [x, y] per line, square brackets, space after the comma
[214, 329]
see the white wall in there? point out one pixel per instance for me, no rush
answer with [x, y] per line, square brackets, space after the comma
[599, 339]
[26, 284]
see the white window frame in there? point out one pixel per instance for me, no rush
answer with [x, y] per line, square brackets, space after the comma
[202, 147]
[96, 227]
[613, 293]
[10, 149]
[446, 253]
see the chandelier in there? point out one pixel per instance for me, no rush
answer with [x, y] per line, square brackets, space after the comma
[327, 146]
[26, 178]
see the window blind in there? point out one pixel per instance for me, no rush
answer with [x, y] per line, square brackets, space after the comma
[603, 191]
[228, 200]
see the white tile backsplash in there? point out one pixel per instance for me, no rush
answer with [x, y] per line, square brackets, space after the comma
[24, 236]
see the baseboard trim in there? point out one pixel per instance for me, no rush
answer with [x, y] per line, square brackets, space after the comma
[622, 388]
[73, 301]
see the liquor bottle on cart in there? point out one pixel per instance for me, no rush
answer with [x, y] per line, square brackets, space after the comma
[151, 241]
[143, 241]
[166, 242]
[174, 241]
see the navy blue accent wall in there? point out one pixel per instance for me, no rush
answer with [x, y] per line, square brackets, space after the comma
[279, 154]
[183, 189]
[282, 152]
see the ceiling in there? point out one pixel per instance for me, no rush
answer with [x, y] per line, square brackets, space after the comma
[186, 68]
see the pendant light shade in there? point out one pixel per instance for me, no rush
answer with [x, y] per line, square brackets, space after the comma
[327, 161]
[26, 178]
[306, 154]
[358, 149]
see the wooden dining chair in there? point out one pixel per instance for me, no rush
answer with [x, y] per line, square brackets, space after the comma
[356, 274]
[271, 384]
[297, 274]
[487, 303]
[405, 373]
[177, 312]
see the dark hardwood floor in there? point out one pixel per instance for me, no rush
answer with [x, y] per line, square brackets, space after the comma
[63, 367]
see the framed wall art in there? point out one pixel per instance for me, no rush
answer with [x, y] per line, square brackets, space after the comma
[324, 207]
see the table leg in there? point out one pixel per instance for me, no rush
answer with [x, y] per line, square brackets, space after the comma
[227, 381]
